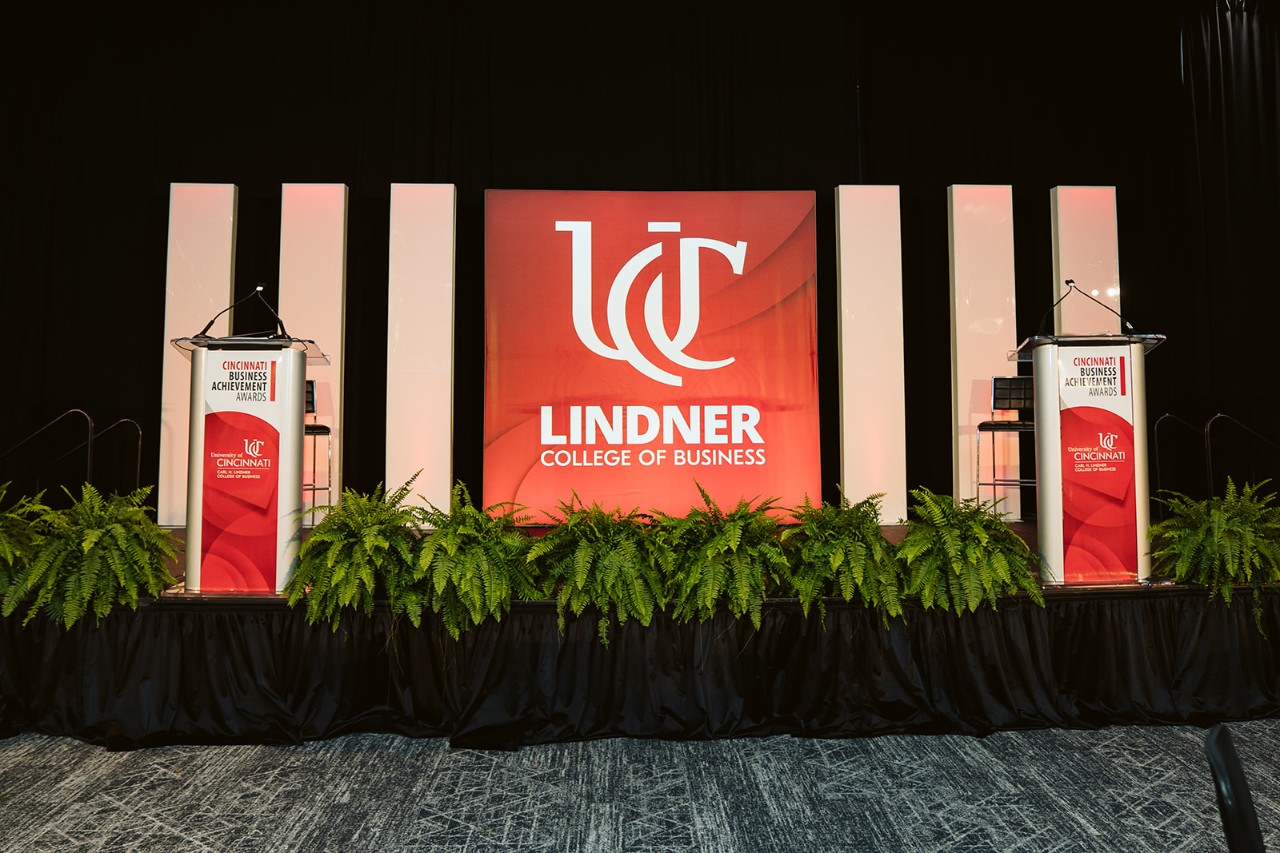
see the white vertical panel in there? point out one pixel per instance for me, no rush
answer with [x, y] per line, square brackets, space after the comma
[420, 340]
[198, 284]
[1086, 249]
[983, 330]
[873, 426]
[313, 276]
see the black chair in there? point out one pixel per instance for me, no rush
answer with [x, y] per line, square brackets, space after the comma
[1235, 804]
[315, 431]
[1010, 396]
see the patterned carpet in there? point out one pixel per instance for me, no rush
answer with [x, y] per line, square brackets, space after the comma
[1130, 789]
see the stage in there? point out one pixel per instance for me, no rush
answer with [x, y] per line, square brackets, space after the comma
[203, 669]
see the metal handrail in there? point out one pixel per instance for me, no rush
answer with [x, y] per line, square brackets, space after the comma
[88, 476]
[1155, 445]
[137, 473]
[1208, 441]
[137, 456]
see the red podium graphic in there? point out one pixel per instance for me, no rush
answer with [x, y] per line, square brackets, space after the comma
[241, 497]
[1091, 456]
[640, 344]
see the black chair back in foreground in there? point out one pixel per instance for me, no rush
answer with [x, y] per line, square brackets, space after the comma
[1235, 803]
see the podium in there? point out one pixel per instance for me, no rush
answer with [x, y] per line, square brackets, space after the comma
[244, 461]
[1092, 493]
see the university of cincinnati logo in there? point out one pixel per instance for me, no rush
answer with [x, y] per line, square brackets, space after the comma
[1105, 451]
[670, 346]
[253, 447]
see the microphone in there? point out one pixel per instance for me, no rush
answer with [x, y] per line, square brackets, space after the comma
[279, 322]
[1071, 287]
[257, 291]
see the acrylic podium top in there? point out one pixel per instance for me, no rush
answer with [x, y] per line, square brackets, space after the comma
[1028, 346]
[313, 352]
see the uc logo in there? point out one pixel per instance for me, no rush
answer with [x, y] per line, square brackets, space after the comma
[253, 447]
[1107, 440]
[624, 347]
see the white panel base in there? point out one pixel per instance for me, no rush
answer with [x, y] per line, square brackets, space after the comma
[420, 340]
[1086, 249]
[198, 284]
[983, 332]
[313, 278]
[873, 454]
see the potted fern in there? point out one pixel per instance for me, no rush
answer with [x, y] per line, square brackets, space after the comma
[1220, 542]
[962, 554]
[723, 558]
[469, 566]
[841, 550]
[18, 535]
[606, 560]
[96, 553]
[362, 548]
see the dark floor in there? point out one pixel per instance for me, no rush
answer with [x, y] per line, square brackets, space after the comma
[1130, 789]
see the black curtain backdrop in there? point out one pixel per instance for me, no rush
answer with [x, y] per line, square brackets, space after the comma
[1176, 105]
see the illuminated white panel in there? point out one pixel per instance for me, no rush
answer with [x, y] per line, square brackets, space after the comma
[1086, 249]
[873, 428]
[983, 332]
[313, 265]
[198, 284]
[420, 340]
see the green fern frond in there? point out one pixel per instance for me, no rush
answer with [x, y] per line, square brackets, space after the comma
[611, 561]
[1220, 542]
[468, 563]
[961, 555]
[19, 535]
[363, 547]
[98, 552]
[722, 559]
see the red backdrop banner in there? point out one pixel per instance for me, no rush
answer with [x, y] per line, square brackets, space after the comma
[639, 344]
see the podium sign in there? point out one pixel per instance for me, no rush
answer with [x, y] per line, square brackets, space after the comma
[244, 477]
[1093, 498]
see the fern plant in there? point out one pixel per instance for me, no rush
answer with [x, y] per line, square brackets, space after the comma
[723, 558]
[363, 546]
[96, 553]
[469, 566]
[1220, 542]
[841, 550]
[604, 559]
[961, 554]
[18, 534]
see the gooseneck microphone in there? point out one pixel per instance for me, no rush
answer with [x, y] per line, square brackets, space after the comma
[1071, 285]
[1071, 288]
[279, 322]
[257, 291]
